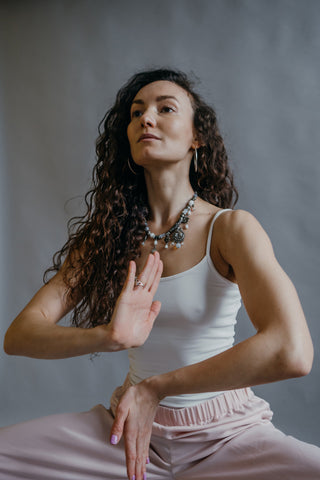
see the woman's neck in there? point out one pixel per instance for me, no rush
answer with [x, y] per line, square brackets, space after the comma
[167, 196]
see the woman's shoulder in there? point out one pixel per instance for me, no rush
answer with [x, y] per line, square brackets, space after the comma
[234, 221]
[239, 231]
[227, 217]
[236, 234]
[227, 223]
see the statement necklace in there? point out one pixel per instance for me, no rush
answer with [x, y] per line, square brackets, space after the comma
[175, 235]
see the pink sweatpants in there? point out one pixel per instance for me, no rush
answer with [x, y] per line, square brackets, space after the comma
[228, 438]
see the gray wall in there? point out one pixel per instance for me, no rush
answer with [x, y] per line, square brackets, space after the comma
[61, 65]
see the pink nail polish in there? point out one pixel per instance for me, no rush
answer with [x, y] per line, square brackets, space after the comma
[148, 460]
[144, 476]
[134, 477]
[114, 439]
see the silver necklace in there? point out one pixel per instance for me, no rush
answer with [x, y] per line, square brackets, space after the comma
[175, 235]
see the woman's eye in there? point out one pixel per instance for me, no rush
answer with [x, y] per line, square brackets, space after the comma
[135, 113]
[167, 109]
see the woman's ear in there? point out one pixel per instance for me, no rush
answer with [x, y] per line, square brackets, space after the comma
[195, 144]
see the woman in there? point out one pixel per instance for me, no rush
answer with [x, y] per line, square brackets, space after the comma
[162, 184]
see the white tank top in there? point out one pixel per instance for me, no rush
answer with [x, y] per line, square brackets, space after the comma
[196, 321]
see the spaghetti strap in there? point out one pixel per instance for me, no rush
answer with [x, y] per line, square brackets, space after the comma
[211, 228]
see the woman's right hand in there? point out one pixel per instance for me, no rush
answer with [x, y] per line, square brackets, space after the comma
[135, 311]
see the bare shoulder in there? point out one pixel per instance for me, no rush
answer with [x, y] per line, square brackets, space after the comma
[235, 224]
[240, 234]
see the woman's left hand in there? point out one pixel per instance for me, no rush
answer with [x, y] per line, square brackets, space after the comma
[133, 420]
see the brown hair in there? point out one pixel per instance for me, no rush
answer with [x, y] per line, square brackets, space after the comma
[102, 241]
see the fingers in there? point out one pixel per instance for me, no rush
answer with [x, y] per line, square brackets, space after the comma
[136, 455]
[150, 275]
[129, 283]
[156, 278]
[154, 310]
[153, 270]
[148, 268]
[117, 427]
[130, 448]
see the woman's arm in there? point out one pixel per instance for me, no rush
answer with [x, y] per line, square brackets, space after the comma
[281, 348]
[35, 333]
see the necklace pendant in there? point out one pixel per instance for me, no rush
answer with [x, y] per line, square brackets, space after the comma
[178, 236]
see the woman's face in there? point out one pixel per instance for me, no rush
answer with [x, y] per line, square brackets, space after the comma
[161, 126]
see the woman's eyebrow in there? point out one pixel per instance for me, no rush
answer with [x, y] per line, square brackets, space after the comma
[158, 99]
[165, 97]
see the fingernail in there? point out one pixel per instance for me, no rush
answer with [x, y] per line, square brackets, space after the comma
[144, 476]
[114, 439]
[134, 477]
[148, 460]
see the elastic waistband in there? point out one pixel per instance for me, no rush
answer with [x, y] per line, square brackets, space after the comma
[205, 412]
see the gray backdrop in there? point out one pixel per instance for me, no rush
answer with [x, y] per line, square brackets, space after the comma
[62, 63]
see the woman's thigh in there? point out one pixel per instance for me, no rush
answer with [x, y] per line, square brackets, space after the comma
[259, 452]
[69, 446]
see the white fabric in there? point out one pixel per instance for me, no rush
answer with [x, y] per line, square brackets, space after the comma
[196, 321]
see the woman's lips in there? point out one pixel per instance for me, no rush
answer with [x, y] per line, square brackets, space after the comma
[147, 137]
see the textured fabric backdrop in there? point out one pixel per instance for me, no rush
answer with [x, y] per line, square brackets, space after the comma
[62, 63]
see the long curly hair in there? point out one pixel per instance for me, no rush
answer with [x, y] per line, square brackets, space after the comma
[102, 241]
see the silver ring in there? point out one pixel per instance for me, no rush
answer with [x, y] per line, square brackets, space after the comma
[138, 283]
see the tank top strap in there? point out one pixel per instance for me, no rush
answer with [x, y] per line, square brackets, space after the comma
[211, 228]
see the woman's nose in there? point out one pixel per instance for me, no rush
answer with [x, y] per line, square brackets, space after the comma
[147, 119]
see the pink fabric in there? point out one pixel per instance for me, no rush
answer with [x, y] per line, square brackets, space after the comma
[230, 437]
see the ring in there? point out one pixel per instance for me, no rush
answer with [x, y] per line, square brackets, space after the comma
[138, 283]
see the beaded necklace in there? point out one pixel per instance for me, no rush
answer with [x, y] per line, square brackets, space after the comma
[175, 234]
